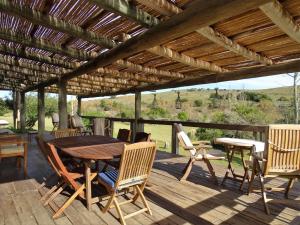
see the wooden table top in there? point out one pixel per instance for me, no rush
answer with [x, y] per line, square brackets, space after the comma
[247, 143]
[90, 147]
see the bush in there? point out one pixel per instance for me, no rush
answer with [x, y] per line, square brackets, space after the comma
[155, 113]
[250, 113]
[208, 134]
[183, 116]
[198, 103]
[256, 97]
[3, 107]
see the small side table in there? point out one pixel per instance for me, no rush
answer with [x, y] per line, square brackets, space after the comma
[31, 134]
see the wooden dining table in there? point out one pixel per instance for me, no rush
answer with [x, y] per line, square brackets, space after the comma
[89, 149]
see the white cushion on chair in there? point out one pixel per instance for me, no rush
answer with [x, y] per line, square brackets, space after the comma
[187, 142]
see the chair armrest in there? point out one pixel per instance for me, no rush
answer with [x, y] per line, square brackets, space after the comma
[201, 142]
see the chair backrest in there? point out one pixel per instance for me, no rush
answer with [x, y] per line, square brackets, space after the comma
[141, 137]
[99, 126]
[77, 121]
[55, 118]
[136, 163]
[124, 135]
[184, 140]
[45, 150]
[283, 149]
[62, 170]
[65, 133]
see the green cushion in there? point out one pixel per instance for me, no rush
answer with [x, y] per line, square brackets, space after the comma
[11, 149]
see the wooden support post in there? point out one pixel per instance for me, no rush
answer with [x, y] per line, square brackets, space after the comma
[175, 145]
[62, 104]
[18, 107]
[14, 96]
[41, 110]
[138, 127]
[111, 124]
[79, 105]
[22, 112]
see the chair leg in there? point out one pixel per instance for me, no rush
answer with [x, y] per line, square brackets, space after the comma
[140, 193]
[122, 219]
[263, 193]
[211, 170]
[68, 202]
[187, 169]
[48, 193]
[57, 192]
[290, 184]
[246, 176]
[108, 204]
[251, 181]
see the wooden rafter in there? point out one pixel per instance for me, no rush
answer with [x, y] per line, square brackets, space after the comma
[282, 18]
[168, 9]
[75, 31]
[162, 51]
[184, 23]
[44, 45]
[41, 68]
[21, 53]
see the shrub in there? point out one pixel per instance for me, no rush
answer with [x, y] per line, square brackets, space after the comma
[208, 134]
[256, 97]
[155, 113]
[3, 107]
[183, 116]
[198, 103]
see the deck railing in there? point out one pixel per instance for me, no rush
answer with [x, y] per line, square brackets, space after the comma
[258, 131]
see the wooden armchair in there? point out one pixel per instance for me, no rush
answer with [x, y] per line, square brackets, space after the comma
[282, 159]
[12, 145]
[142, 136]
[55, 121]
[197, 153]
[133, 173]
[124, 135]
[65, 133]
[67, 179]
[77, 123]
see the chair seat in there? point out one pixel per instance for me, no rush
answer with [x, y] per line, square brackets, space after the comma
[109, 177]
[11, 149]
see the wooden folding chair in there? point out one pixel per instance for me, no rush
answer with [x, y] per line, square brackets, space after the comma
[68, 179]
[55, 121]
[281, 159]
[60, 133]
[136, 163]
[197, 153]
[141, 137]
[124, 135]
[77, 123]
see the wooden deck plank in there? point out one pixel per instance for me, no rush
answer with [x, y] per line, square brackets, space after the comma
[196, 201]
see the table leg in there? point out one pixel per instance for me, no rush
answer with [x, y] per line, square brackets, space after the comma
[229, 167]
[88, 192]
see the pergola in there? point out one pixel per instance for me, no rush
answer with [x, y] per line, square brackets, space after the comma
[95, 48]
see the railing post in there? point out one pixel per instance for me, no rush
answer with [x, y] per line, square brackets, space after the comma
[175, 145]
[111, 125]
[41, 110]
[78, 105]
[22, 112]
[62, 104]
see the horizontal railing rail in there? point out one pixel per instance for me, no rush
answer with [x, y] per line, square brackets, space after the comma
[259, 131]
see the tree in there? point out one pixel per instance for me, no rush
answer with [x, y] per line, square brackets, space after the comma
[296, 79]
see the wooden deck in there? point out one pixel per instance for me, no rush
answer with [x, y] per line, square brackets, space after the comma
[196, 201]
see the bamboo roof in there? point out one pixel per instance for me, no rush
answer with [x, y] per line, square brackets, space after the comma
[104, 47]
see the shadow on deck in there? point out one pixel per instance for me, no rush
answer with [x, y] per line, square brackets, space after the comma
[196, 201]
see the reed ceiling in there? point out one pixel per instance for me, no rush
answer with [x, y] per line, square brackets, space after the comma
[43, 41]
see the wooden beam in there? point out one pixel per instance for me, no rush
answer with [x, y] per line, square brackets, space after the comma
[282, 18]
[41, 110]
[45, 45]
[168, 9]
[48, 21]
[148, 70]
[186, 22]
[22, 112]
[9, 61]
[21, 53]
[123, 7]
[62, 104]
[255, 72]
[187, 60]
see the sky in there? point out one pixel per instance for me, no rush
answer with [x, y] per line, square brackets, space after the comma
[253, 83]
